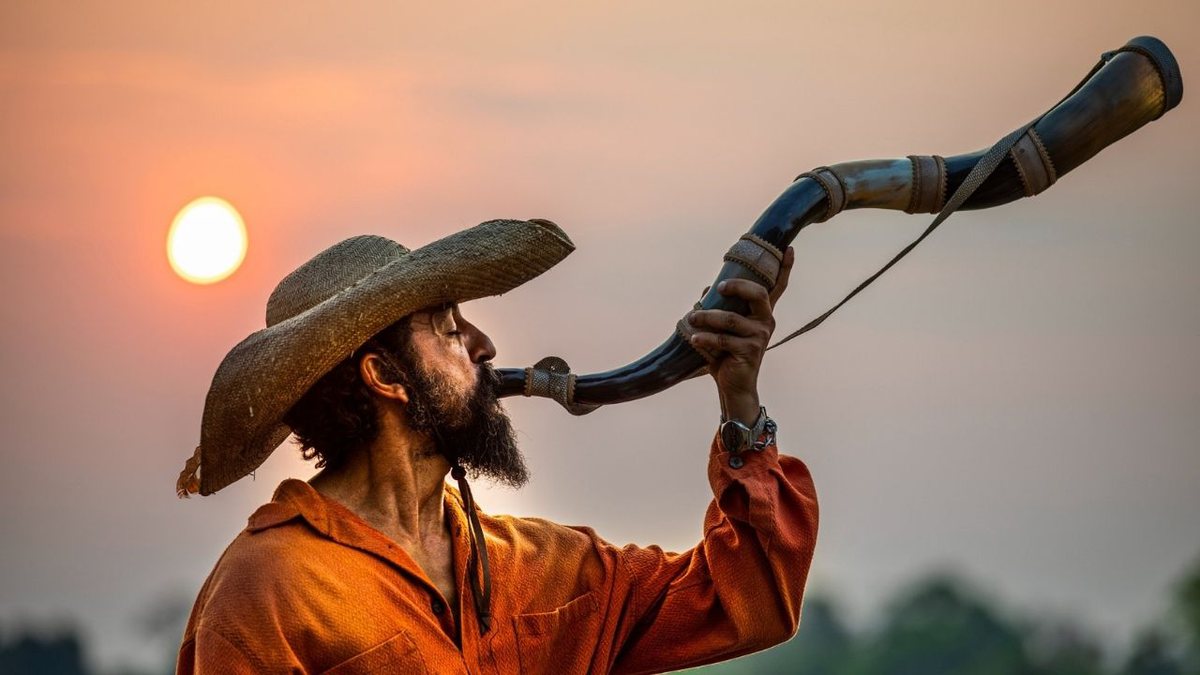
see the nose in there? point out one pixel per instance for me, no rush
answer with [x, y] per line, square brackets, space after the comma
[479, 345]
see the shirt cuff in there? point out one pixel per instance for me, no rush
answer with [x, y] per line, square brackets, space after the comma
[725, 467]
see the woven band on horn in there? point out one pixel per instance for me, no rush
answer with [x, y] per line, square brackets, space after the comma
[928, 184]
[1033, 163]
[552, 378]
[757, 255]
[835, 191]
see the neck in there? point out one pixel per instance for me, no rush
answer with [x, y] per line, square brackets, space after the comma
[394, 484]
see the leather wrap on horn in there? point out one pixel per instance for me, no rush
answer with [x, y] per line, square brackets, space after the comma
[1138, 84]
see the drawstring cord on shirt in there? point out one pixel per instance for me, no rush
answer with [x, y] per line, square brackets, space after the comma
[479, 555]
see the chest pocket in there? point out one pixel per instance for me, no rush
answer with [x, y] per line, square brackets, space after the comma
[397, 654]
[562, 641]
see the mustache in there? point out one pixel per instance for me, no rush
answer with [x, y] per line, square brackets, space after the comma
[489, 380]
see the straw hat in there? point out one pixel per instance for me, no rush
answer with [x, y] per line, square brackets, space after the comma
[331, 305]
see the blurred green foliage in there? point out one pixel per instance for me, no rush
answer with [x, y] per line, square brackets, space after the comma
[29, 653]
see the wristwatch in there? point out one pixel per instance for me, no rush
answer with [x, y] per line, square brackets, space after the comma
[737, 437]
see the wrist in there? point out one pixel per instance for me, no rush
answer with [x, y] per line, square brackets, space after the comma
[742, 407]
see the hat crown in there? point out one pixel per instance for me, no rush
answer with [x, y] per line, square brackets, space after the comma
[330, 272]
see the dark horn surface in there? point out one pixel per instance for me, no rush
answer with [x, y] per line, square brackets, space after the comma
[1139, 84]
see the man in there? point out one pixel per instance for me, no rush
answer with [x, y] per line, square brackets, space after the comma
[376, 565]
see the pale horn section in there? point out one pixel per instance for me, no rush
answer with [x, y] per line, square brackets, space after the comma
[916, 184]
[876, 183]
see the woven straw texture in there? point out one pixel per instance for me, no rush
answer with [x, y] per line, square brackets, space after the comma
[320, 313]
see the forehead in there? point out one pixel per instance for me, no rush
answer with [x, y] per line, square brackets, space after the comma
[437, 317]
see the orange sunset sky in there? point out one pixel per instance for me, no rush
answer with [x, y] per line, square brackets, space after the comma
[1019, 399]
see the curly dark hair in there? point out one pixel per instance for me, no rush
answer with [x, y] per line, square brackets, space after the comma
[337, 417]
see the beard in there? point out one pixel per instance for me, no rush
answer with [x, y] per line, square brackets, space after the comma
[470, 430]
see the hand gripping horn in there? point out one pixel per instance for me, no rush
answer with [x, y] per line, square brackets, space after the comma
[1129, 87]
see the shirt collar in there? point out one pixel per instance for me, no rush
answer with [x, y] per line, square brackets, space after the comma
[295, 498]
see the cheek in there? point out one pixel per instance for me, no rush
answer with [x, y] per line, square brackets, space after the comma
[462, 377]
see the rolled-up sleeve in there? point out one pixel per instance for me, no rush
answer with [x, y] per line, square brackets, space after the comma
[741, 588]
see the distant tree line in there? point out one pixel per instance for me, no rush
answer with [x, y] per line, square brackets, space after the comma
[60, 653]
[939, 625]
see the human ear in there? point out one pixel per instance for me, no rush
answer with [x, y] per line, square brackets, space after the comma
[378, 374]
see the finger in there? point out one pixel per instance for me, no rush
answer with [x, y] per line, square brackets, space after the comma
[754, 293]
[726, 343]
[785, 273]
[719, 320]
[704, 292]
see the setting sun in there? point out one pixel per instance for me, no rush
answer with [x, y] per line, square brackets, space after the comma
[207, 241]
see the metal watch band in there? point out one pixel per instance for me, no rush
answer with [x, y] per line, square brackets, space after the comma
[737, 437]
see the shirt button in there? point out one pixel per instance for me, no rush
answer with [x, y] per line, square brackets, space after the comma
[437, 606]
[737, 462]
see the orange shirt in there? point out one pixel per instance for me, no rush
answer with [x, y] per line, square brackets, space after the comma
[308, 587]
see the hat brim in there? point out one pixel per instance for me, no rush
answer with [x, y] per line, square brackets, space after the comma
[262, 377]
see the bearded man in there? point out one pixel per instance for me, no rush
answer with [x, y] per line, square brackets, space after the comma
[377, 565]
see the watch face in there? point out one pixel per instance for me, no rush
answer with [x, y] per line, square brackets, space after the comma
[734, 435]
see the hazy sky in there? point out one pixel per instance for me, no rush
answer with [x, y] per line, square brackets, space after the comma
[1019, 399]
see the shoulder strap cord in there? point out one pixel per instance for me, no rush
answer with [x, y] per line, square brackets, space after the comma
[478, 565]
[978, 174]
